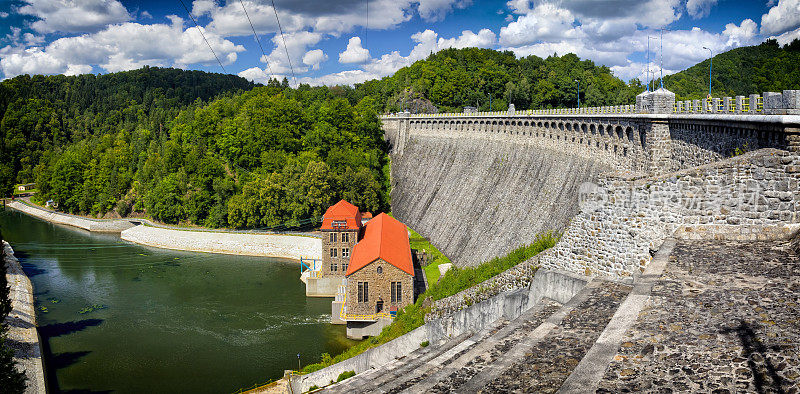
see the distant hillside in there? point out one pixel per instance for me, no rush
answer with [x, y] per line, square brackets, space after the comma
[453, 78]
[767, 67]
[42, 114]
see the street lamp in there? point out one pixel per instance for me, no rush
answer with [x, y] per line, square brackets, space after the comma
[710, 65]
[579, 92]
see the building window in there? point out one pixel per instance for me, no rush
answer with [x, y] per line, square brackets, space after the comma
[334, 267]
[333, 237]
[397, 292]
[380, 269]
[345, 237]
[344, 266]
[345, 252]
[363, 291]
[333, 252]
[339, 224]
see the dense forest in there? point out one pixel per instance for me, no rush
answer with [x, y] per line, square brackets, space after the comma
[742, 71]
[453, 78]
[216, 150]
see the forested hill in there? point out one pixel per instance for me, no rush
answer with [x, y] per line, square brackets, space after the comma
[742, 71]
[41, 114]
[453, 78]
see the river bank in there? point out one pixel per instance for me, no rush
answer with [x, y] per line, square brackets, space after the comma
[21, 322]
[286, 246]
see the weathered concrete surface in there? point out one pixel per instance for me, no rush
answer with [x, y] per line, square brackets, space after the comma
[322, 287]
[440, 332]
[723, 317]
[107, 226]
[264, 245]
[475, 199]
[21, 322]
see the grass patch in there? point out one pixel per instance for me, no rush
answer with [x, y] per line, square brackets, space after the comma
[454, 281]
[345, 375]
[435, 257]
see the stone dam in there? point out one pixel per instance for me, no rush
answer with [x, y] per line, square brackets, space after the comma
[677, 269]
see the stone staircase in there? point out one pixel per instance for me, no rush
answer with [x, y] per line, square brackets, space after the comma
[547, 340]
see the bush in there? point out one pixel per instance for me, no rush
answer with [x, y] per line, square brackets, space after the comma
[314, 387]
[345, 375]
[424, 344]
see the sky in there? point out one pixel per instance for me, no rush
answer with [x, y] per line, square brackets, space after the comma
[350, 41]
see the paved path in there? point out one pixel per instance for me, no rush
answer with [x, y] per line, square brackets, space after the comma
[723, 318]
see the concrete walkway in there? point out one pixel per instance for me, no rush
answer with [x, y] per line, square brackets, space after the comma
[21, 322]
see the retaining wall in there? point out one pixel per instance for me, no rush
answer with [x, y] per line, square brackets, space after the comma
[264, 245]
[107, 226]
[623, 221]
[21, 323]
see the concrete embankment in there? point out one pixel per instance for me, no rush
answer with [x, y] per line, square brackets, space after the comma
[265, 245]
[108, 226]
[21, 323]
[288, 246]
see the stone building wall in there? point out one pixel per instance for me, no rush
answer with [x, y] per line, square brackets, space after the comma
[339, 260]
[379, 288]
[623, 221]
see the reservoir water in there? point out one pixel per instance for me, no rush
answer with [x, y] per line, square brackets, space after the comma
[119, 317]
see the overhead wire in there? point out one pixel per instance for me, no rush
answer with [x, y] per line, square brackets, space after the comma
[204, 36]
[271, 74]
[284, 42]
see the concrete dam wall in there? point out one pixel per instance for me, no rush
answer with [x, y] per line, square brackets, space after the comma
[476, 199]
[478, 186]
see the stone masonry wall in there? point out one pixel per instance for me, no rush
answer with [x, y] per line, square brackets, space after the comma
[339, 260]
[623, 221]
[379, 288]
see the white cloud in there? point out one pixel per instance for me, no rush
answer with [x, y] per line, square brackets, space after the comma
[520, 6]
[296, 44]
[145, 15]
[3, 14]
[744, 34]
[348, 77]
[256, 75]
[74, 16]
[546, 22]
[484, 39]
[781, 18]
[354, 52]
[435, 10]
[314, 57]
[699, 8]
[122, 47]
[788, 37]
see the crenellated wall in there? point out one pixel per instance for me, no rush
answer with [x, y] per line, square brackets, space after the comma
[478, 186]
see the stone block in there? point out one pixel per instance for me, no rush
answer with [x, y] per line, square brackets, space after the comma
[773, 103]
[791, 101]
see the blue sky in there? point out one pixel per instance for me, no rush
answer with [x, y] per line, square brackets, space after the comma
[349, 41]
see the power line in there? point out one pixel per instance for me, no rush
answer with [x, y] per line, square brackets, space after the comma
[204, 36]
[284, 42]
[271, 74]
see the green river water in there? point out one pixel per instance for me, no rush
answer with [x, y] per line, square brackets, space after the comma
[119, 317]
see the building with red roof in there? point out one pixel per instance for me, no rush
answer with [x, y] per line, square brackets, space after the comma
[341, 230]
[380, 276]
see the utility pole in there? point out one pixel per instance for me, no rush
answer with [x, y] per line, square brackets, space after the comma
[710, 65]
[662, 58]
[579, 92]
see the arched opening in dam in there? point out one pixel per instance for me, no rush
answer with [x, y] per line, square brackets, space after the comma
[115, 316]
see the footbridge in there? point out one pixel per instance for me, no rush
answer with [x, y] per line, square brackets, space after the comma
[480, 184]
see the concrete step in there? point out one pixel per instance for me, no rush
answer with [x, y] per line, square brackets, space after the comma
[453, 376]
[546, 356]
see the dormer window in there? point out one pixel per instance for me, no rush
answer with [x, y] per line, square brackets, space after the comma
[339, 224]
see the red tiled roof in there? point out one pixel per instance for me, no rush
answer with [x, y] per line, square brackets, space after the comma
[366, 215]
[342, 211]
[385, 238]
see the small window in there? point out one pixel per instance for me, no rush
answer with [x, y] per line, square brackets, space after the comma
[333, 252]
[380, 269]
[345, 252]
[397, 292]
[344, 266]
[334, 267]
[333, 237]
[363, 291]
[345, 237]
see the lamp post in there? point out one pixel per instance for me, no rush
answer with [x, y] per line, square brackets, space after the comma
[710, 65]
[579, 92]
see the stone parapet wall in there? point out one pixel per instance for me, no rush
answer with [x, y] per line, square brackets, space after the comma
[623, 221]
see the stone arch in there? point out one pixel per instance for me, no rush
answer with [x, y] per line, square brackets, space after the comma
[592, 129]
[643, 138]
[584, 128]
[560, 126]
[601, 130]
[629, 133]
[618, 131]
[569, 126]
